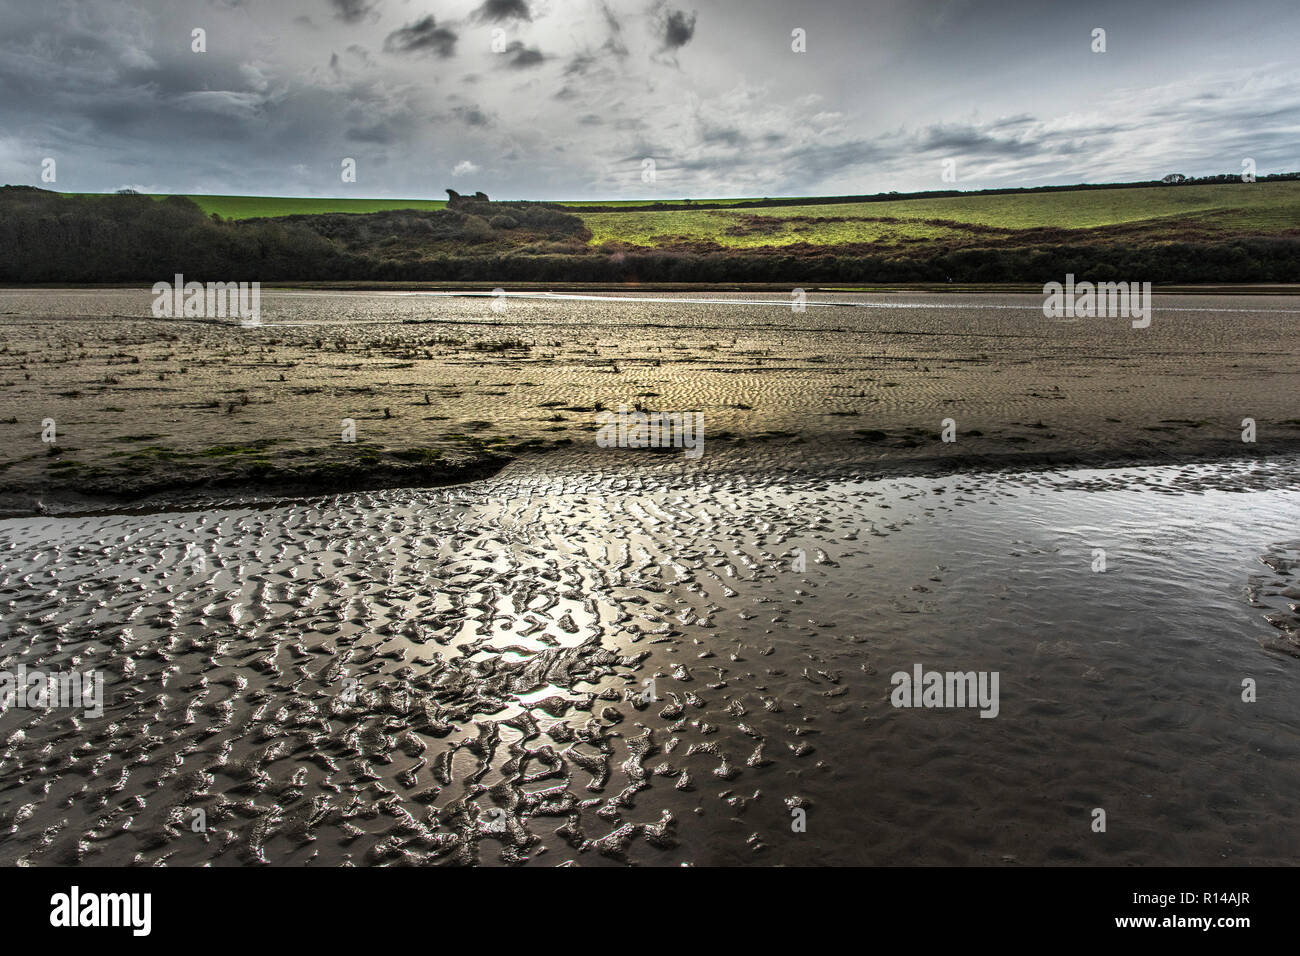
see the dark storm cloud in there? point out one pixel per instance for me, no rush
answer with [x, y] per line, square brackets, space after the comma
[678, 28]
[422, 36]
[520, 57]
[497, 11]
[352, 11]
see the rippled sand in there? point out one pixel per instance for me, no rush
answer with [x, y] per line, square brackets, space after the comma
[144, 405]
[499, 635]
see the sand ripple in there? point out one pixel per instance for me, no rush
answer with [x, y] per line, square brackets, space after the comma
[652, 667]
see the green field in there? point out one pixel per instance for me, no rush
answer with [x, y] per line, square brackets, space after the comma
[1162, 213]
[586, 203]
[1246, 209]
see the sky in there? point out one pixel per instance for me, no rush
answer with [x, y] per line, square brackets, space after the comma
[640, 99]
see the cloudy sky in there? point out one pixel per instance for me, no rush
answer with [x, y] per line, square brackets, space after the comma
[567, 99]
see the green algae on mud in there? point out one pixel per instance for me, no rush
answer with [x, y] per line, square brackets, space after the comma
[158, 475]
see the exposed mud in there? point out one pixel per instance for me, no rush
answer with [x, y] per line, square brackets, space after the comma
[639, 665]
[441, 389]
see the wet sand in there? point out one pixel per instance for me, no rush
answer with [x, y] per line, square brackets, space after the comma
[445, 388]
[499, 635]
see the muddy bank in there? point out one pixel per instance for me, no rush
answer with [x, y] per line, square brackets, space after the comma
[441, 388]
[171, 478]
[241, 481]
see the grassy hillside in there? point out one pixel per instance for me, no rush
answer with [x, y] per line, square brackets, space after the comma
[1219, 210]
[1160, 213]
[1191, 233]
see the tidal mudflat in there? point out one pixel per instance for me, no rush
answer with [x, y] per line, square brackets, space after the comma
[443, 388]
[636, 664]
[554, 653]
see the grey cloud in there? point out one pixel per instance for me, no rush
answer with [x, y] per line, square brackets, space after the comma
[497, 11]
[580, 64]
[614, 44]
[422, 36]
[116, 94]
[678, 28]
[727, 135]
[520, 57]
[969, 139]
[352, 11]
[471, 116]
[381, 132]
